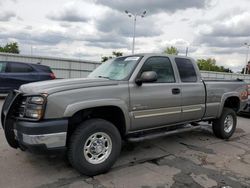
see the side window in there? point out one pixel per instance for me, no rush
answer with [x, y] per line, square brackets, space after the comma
[18, 68]
[2, 66]
[162, 66]
[186, 70]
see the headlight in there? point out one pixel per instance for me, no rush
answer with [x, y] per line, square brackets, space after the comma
[37, 100]
[36, 114]
[34, 107]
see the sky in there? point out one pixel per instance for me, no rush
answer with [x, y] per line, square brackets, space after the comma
[90, 29]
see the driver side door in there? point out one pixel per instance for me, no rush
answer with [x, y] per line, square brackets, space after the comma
[158, 103]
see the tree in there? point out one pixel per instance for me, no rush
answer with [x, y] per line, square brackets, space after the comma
[114, 54]
[210, 65]
[171, 50]
[106, 58]
[10, 48]
[117, 54]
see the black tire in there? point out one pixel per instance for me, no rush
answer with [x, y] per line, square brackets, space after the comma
[76, 152]
[219, 125]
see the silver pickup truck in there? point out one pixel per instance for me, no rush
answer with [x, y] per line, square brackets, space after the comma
[130, 98]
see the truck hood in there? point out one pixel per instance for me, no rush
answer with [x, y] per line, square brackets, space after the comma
[59, 85]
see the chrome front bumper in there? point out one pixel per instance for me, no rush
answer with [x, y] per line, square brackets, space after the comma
[53, 140]
[43, 136]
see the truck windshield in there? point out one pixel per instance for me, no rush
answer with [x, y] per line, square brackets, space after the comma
[116, 69]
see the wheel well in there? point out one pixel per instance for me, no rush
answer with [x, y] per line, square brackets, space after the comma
[233, 103]
[112, 114]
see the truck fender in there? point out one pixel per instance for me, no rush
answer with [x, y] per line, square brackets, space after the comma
[224, 97]
[71, 109]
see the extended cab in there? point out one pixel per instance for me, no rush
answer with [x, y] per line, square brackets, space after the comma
[132, 98]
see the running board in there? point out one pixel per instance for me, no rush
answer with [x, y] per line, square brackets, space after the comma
[149, 136]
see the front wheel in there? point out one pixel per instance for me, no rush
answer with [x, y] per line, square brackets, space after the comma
[225, 126]
[94, 147]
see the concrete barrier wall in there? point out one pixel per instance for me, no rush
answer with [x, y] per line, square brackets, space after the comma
[62, 67]
[209, 75]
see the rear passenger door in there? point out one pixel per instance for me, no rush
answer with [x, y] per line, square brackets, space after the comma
[18, 74]
[193, 90]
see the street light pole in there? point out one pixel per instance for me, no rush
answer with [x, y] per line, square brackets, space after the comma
[187, 51]
[133, 45]
[247, 45]
[134, 30]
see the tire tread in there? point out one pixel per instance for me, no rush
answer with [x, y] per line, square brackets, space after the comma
[78, 133]
[218, 124]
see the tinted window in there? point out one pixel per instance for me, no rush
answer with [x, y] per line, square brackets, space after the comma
[43, 68]
[186, 70]
[162, 66]
[18, 68]
[2, 66]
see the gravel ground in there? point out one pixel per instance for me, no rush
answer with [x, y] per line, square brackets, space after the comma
[193, 159]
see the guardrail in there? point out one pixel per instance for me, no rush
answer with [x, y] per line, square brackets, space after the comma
[209, 75]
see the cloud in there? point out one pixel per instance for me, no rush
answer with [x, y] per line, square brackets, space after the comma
[228, 33]
[228, 50]
[68, 15]
[34, 36]
[6, 16]
[153, 6]
[106, 41]
[48, 37]
[217, 41]
[4, 1]
[236, 26]
[121, 24]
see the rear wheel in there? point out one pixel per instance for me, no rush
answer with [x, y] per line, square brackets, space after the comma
[225, 126]
[94, 147]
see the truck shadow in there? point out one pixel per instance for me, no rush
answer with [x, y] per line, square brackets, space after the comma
[244, 115]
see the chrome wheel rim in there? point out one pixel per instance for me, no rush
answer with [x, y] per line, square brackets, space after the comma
[97, 148]
[228, 123]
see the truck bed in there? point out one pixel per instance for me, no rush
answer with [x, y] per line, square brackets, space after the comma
[215, 91]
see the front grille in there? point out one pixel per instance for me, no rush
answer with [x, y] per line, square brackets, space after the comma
[9, 106]
[8, 101]
[20, 107]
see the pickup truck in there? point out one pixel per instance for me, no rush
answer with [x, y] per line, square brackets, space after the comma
[131, 98]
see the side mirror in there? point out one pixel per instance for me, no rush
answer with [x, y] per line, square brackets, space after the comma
[146, 77]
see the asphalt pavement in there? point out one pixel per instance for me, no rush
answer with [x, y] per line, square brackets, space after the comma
[193, 159]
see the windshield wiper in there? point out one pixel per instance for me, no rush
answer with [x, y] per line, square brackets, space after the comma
[104, 77]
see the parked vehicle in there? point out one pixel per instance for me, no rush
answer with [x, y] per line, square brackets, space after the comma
[130, 98]
[15, 74]
[246, 110]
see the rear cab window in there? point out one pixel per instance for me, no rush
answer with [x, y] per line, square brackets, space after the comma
[14, 67]
[186, 70]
